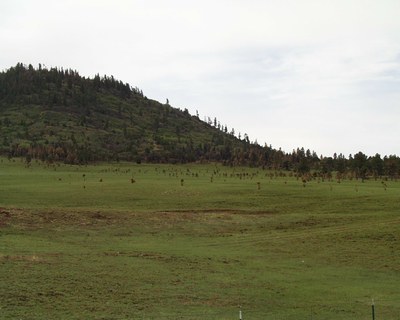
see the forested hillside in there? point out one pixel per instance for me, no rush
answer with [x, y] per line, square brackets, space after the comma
[58, 115]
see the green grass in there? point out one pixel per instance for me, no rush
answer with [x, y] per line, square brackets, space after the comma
[72, 247]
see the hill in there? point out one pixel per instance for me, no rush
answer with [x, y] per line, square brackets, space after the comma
[55, 114]
[58, 115]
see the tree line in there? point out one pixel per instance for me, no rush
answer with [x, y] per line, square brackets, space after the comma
[55, 86]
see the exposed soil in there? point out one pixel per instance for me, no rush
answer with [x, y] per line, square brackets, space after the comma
[5, 216]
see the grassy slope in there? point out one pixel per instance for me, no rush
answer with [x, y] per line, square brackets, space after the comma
[114, 129]
[72, 247]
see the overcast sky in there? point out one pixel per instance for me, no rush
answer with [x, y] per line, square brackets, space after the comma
[318, 74]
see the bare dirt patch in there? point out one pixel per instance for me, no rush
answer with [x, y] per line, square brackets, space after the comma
[4, 217]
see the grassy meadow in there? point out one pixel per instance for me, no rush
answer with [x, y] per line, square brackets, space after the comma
[129, 241]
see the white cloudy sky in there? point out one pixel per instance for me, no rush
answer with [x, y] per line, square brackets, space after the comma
[318, 74]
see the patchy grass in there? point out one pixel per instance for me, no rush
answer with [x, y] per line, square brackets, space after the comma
[72, 247]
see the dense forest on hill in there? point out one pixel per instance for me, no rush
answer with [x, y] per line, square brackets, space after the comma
[57, 115]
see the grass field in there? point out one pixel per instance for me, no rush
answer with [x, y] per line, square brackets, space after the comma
[124, 241]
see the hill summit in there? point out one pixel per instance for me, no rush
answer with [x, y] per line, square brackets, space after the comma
[58, 115]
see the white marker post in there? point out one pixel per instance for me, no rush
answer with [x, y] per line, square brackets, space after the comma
[240, 313]
[373, 309]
